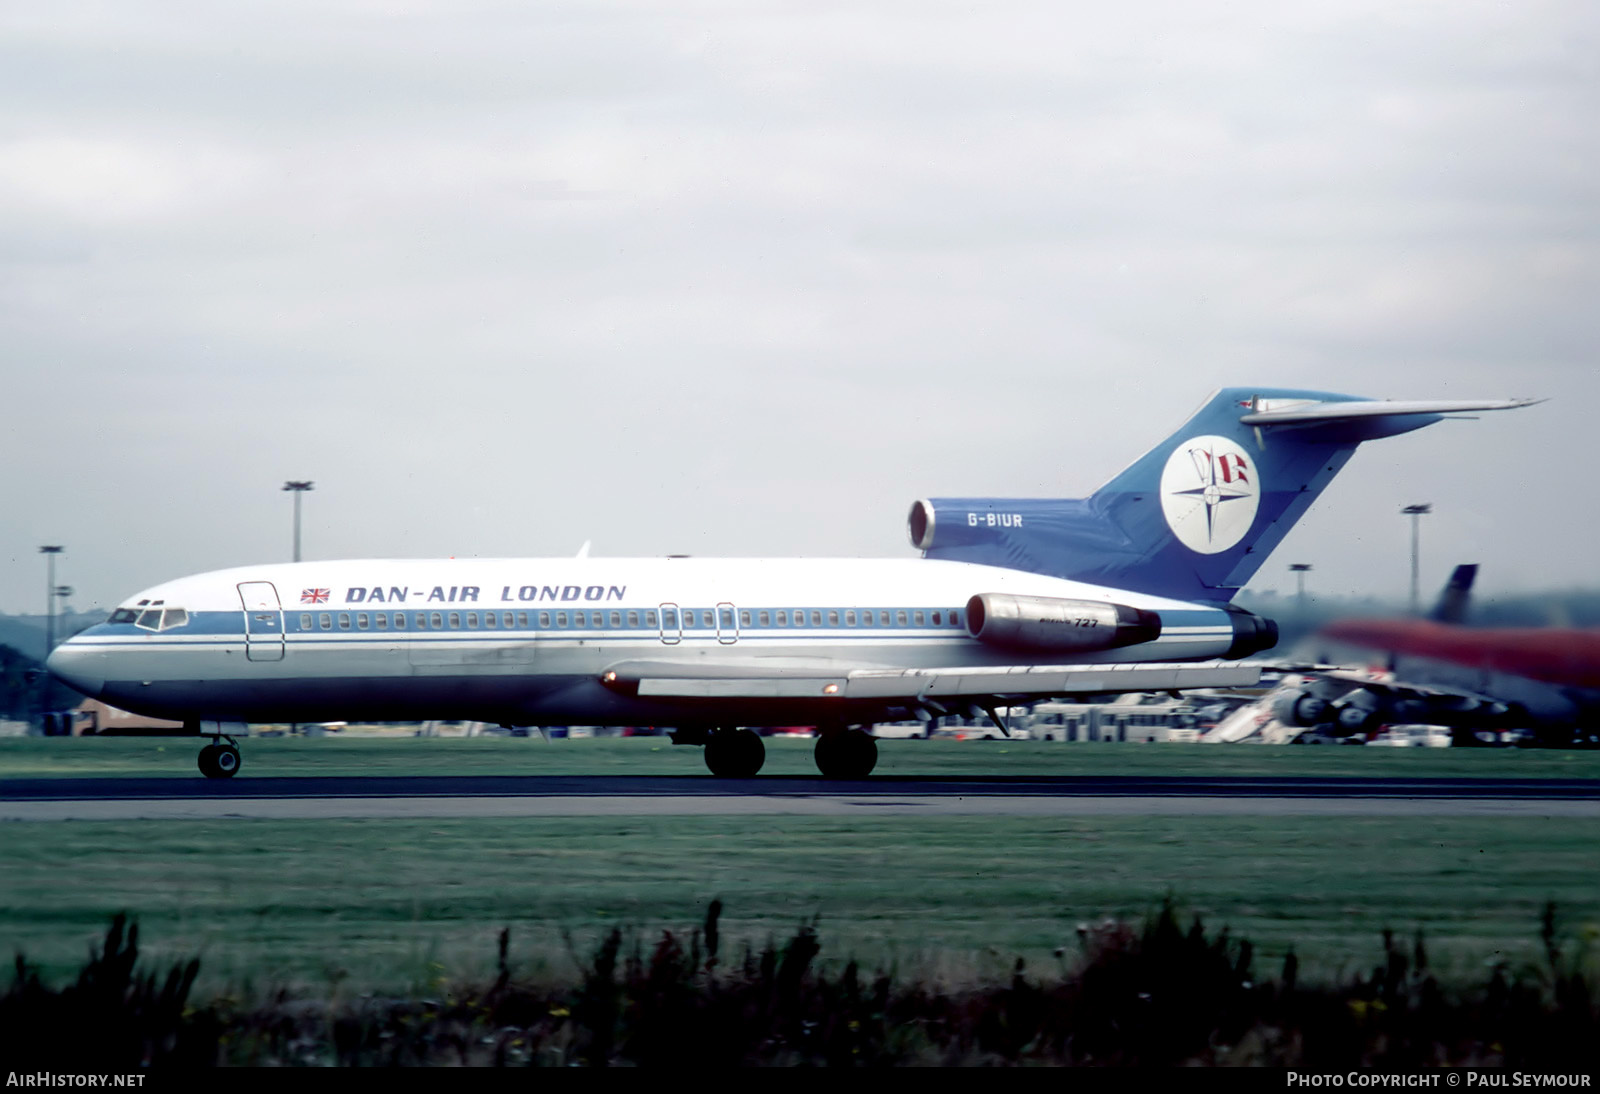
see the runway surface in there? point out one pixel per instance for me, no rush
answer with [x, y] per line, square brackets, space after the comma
[190, 797]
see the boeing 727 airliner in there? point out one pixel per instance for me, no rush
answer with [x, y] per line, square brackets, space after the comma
[1013, 600]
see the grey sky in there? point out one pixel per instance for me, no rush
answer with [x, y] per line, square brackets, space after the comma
[750, 278]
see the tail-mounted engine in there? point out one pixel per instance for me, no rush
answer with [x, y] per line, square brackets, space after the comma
[1064, 626]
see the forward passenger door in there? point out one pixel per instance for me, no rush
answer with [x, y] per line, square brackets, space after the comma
[263, 621]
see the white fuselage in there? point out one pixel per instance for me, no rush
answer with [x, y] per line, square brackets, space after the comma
[526, 641]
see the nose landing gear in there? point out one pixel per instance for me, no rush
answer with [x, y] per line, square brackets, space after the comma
[220, 761]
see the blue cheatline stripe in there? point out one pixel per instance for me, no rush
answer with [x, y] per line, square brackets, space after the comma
[481, 640]
[228, 622]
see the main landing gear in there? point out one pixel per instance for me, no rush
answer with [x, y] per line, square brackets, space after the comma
[846, 753]
[739, 753]
[220, 761]
[734, 753]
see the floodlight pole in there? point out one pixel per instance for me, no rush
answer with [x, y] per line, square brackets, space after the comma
[50, 554]
[1415, 512]
[1300, 570]
[297, 488]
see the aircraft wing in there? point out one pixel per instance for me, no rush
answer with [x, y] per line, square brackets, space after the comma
[921, 686]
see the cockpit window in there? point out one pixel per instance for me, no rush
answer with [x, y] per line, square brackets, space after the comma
[151, 615]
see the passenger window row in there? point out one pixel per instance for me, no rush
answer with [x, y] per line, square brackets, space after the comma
[865, 617]
[693, 618]
[438, 621]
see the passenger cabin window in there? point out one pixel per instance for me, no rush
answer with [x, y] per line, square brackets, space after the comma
[325, 621]
[849, 619]
[650, 619]
[455, 621]
[491, 620]
[866, 619]
[544, 621]
[833, 618]
[766, 619]
[616, 619]
[918, 618]
[381, 619]
[633, 619]
[363, 621]
[799, 619]
[436, 621]
[472, 620]
[561, 619]
[744, 618]
[936, 619]
[305, 621]
[344, 621]
[399, 621]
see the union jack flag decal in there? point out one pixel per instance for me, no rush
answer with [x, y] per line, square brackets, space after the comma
[313, 596]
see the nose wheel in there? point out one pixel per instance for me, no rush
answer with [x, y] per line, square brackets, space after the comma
[219, 761]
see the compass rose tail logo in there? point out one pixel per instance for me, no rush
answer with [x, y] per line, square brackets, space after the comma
[1209, 494]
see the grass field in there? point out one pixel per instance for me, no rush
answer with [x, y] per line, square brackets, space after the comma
[339, 907]
[266, 757]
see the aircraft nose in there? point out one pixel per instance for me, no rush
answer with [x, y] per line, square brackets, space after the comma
[78, 666]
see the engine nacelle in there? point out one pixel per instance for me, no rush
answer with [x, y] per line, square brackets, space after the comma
[1252, 633]
[1299, 708]
[1064, 626]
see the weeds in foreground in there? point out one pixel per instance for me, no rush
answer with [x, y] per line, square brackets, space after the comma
[1159, 995]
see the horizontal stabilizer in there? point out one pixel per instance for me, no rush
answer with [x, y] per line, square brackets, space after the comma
[1298, 412]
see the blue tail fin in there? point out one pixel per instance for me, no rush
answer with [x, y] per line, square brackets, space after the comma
[1197, 515]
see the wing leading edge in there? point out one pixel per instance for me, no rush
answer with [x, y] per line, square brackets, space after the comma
[915, 687]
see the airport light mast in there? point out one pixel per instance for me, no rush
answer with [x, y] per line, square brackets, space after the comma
[297, 488]
[1300, 570]
[50, 554]
[1415, 512]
